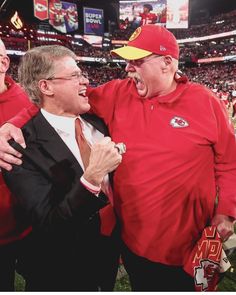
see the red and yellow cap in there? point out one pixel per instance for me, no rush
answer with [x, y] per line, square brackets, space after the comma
[147, 40]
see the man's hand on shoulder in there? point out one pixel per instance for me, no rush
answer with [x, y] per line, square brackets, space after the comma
[8, 155]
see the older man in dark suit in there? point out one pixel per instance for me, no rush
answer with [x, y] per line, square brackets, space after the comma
[61, 183]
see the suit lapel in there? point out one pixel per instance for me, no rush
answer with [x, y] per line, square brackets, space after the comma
[51, 144]
[51, 140]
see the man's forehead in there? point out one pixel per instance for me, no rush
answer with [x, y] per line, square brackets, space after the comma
[65, 61]
[143, 58]
[66, 64]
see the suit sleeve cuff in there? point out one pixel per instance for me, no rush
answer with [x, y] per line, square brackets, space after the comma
[92, 188]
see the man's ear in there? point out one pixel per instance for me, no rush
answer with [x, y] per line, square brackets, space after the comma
[4, 64]
[45, 87]
[168, 59]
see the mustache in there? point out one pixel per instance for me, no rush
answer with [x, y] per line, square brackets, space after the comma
[133, 75]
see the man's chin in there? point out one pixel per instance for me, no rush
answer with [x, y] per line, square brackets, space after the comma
[88, 107]
[85, 109]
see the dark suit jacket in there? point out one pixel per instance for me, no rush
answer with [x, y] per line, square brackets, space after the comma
[65, 251]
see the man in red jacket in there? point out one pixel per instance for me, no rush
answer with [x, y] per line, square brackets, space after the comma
[12, 100]
[146, 17]
[179, 171]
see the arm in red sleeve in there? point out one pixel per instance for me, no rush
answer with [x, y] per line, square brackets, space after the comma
[24, 116]
[100, 97]
[225, 162]
[104, 97]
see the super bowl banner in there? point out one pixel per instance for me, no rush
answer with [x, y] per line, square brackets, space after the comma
[41, 9]
[93, 21]
[63, 16]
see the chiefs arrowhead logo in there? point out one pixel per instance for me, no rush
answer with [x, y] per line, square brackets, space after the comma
[206, 273]
[40, 7]
[178, 122]
[135, 34]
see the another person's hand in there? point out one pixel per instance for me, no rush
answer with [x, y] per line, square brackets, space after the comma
[225, 225]
[8, 155]
[104, 158]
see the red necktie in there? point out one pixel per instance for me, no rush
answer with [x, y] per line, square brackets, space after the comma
[84, 148]
[108, 219]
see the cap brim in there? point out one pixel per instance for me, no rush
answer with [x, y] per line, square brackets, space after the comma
[130, 52]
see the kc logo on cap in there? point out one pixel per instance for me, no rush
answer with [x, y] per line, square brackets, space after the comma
[147, 40]
[135, 34]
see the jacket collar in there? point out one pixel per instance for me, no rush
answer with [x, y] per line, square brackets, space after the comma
[52, 145]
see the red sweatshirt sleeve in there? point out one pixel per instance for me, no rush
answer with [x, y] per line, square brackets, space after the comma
[100, 97]
[225, 162]
[24, 116]
[104, 98]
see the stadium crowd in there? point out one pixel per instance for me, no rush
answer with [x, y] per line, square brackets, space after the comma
[205, 26]
[214, 75]
[224, 22]
[207, 49]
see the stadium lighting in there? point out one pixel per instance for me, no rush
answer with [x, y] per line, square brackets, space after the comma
[220, 22]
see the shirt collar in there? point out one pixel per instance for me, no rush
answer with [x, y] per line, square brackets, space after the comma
[174, 95]
[60, 123]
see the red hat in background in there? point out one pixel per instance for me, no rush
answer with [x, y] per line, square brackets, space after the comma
[207, 260]
[147, 40]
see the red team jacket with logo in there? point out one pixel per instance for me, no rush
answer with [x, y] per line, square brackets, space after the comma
[181, 149]
[11, 102]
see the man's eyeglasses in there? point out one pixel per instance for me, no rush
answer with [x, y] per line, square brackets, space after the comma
[74, 76]
[139, 62]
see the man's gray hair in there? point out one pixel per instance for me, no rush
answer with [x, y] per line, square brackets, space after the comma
[37, 64]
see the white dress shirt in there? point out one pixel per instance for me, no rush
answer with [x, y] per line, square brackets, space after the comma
[65, 127]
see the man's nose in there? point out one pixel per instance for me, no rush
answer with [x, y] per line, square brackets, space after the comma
[84, 80]
[129, 67]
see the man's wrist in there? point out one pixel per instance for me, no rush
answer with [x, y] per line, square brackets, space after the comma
[92, 176]
[89, 186]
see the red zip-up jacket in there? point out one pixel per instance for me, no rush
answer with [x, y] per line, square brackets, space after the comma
[12, 101]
